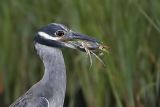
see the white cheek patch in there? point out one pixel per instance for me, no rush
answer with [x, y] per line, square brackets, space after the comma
[46, 36]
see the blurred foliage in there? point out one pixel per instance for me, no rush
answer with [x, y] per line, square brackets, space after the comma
[130, 27]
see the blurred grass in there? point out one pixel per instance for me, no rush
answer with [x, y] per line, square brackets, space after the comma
[130, 27]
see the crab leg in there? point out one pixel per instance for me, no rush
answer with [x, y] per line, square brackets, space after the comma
[97, 57]
[88, 53]
[104, 48]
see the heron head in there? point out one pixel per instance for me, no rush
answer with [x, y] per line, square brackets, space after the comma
[58, 35]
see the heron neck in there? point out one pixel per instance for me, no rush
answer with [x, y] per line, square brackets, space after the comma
[54, 78]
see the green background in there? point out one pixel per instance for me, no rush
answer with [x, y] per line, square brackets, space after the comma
[131, 28]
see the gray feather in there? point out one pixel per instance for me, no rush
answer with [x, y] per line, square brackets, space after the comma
[51, 88]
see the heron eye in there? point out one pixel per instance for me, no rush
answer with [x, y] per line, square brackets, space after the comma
[60, 33]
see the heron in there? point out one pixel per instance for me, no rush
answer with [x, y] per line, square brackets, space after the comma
[48, 41]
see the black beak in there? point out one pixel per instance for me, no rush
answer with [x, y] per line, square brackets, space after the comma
[84, 37]
[80, 41]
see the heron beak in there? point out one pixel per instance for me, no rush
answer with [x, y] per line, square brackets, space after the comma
[82, 42]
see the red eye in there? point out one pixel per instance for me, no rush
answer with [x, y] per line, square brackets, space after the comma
[60, 33]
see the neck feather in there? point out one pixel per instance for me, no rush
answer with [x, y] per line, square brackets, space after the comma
[55, 74]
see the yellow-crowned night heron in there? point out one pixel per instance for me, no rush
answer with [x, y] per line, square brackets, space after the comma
[50, 90]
